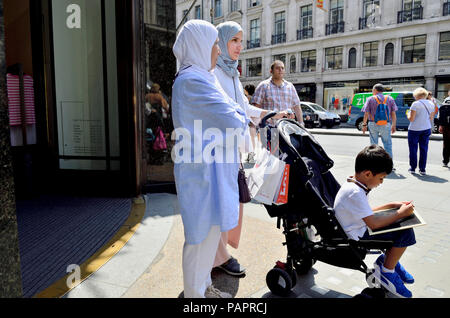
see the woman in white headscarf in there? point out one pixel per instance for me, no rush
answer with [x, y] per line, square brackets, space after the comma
[207, 190]
[230, 43]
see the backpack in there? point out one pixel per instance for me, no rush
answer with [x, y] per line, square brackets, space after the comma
[382, 113]
[444, 115]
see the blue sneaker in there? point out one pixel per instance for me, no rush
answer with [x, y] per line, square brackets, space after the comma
[406, 277]
[394, 284]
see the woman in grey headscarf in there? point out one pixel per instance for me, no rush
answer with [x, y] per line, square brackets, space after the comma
[230, 43]
[207, 191]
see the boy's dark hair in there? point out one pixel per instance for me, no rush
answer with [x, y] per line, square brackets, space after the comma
[250, 89]
[375, 159]
[379, 88]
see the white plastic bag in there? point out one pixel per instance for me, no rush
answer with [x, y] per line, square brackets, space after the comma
[265, 178]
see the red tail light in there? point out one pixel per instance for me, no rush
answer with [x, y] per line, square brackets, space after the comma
[350, 110]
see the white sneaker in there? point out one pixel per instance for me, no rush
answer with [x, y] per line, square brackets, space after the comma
[212, 292]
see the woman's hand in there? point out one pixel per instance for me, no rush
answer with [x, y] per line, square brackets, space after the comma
[284, 114]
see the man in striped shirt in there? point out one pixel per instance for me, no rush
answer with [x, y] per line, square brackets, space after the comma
[278, 94]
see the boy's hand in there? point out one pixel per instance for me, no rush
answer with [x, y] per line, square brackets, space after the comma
[406, 210]
[397, 205]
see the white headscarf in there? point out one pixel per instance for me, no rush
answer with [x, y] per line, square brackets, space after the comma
[194, 45]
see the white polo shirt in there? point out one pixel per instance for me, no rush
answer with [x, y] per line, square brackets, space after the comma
[351, 206]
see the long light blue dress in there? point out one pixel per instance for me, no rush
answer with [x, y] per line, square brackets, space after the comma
[207, 192]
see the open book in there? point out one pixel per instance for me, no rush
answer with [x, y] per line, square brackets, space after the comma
[406, 223]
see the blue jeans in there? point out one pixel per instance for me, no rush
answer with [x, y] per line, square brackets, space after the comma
[384, 132]
[420, 138]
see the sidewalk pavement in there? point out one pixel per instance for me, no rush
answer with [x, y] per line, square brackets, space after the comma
[149, 265]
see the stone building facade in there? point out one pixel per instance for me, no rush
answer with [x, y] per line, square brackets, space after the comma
[348, 47]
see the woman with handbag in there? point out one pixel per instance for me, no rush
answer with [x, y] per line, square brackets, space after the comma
[207, 191]
[230, 43]
[420, 116]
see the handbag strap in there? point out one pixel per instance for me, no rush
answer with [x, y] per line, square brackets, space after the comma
[426, 108]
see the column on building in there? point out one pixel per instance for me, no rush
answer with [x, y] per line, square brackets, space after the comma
[10, 274]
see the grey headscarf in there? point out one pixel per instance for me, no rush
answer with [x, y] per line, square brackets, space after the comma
[226, 32]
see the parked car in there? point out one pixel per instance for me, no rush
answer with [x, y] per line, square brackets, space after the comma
[403, 100]
[326, 118]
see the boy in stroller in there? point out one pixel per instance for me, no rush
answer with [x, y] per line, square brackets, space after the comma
[354, 214]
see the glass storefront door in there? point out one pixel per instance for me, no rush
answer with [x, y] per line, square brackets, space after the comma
[85, 77]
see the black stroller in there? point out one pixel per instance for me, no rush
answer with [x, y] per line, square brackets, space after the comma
[309, 224]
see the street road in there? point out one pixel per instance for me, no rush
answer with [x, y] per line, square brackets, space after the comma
[352, 145]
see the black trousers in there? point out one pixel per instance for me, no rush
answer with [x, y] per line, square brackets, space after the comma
[446, 150]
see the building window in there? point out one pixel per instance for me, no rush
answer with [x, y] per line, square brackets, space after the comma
[217, 8]
[413, 49]
[446, 8]
[280, 57]
[444, 46]
[333, 58]
[336, 18]
[234, 5]
[280, 28]
[370, 54]
[198, 12]
[308, 61]
[293, 64]
[254, 67]
[389, 54]
[306, 29]
[185, 16]
[352, 58]
[253, 3]
[371, 9]
[412, 10]
[255, 32]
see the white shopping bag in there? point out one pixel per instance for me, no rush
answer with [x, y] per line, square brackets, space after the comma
[265, 178]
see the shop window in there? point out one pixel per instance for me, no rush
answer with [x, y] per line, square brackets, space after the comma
[218, 8]
[352, 58]
[293, 64]
[389, 54]
[413, 49]
[444, 46]
[308, 61]
[333, 58]
[254, 67]
[370, 54]
[280, 57]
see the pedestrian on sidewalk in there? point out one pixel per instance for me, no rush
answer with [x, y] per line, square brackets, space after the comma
[421, 116]
[207, 190]
[277, 94]
[380, 118]
[444, 129]
[230, 43]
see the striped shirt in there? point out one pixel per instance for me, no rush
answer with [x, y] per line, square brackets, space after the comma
[272, 97]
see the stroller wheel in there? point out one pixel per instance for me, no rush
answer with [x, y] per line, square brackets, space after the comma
[303, 266]
[279, 281]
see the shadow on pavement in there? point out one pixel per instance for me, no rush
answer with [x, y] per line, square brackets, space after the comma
[395, 176]
[307, 288]
[429, 178]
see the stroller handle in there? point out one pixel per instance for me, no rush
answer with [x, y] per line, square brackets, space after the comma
[263, 122]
